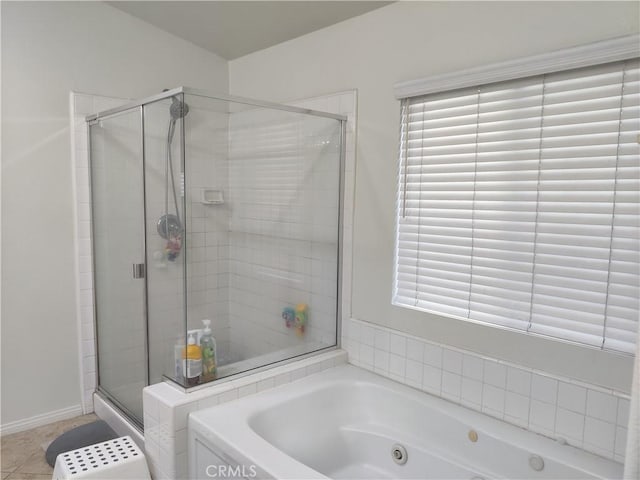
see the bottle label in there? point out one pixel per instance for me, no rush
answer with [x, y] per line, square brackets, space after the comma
[191, 368]
[208, 362]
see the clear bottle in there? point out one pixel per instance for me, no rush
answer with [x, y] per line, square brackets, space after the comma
[209, 350]
[191, 362]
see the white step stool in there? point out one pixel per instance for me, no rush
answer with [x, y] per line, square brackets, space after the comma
[116, 459]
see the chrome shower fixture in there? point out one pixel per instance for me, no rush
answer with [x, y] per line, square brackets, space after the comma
[178, 108]
[169, 225]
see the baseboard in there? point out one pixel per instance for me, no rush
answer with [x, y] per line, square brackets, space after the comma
[39, 420]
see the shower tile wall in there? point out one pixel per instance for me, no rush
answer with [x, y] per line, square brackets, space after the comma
[284, 193]
[205, 239]
[206, 148]
[165, 287]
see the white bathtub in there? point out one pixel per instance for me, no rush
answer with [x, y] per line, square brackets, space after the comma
[343, 423]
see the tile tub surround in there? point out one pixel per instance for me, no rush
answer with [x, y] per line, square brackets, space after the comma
[166, 408]
[586, 416]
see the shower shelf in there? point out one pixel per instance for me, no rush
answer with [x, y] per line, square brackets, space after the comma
[212, 197]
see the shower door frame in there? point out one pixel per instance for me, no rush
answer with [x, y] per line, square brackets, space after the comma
[137, 422]
[140, 104]
[228, 98]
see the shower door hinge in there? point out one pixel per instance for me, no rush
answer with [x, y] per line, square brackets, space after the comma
[138, 270]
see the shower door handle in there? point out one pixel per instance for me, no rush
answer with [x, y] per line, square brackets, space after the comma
[138, 270]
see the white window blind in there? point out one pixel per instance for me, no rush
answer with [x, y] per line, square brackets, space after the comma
[519, 204]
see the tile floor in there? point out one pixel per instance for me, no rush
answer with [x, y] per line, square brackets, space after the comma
[22, 456]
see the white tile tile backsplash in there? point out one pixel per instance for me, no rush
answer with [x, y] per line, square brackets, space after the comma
[367, 335]
[381, 340]
[471, 392]
[398, 345]
[366, 354]
[620, 443]
[452, 361]
[282, 378]
[210, 401]
[544, 389]
[518, 381]
[266, 384]
[433, 355]
[415, 349]
[432, 379]
[572, 397]
[586, 416]
[543, 416]
[602, 406]
[472, 367]
[600, 434]
[516, 408]
[397, 365]
[413, 373]
[495, 374]
[451, 385]
[493, 400]
[570, 426]
[381, 360]
[623, 411]
[247, 390]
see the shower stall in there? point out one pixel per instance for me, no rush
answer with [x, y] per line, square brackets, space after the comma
[209, 207]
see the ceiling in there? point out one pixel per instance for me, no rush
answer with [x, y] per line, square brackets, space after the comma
[232, 29]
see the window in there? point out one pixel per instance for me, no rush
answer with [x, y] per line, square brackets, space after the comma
[518, 203]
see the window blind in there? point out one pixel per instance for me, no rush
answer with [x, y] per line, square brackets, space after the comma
[518, 204]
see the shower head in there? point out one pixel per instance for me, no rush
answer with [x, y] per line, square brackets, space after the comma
[178, 109]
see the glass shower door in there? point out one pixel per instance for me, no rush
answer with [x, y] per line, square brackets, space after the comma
[117, 191]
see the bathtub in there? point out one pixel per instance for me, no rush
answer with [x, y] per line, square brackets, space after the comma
[348, 423]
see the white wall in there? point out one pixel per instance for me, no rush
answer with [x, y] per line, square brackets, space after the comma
[49, 49]
[408, 40]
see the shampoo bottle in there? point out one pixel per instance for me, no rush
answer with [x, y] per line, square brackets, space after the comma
[191, 362]
[208, 347]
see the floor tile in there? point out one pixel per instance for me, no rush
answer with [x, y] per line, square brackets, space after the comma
[16, 449]
[36, 463]
[50, 432]
[22, 452]
[28, 476]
